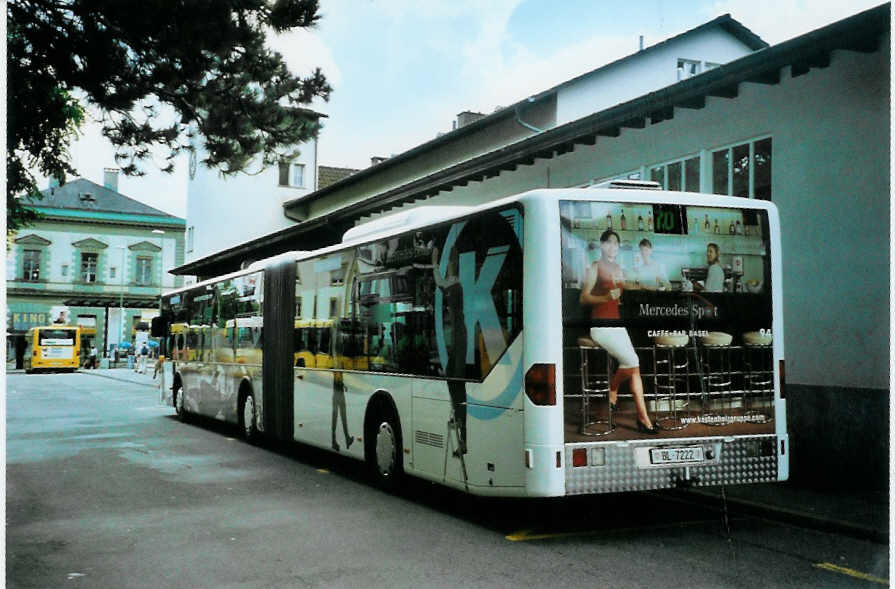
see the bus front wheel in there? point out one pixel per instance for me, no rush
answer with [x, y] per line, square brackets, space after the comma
[178, 404]
[384, 454]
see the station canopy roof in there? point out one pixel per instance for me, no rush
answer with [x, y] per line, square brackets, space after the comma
[110, 300]
[862, 32]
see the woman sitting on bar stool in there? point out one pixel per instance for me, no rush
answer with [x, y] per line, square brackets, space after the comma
[602, 289]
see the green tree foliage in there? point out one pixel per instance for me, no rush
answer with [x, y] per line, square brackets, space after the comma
[204, 58]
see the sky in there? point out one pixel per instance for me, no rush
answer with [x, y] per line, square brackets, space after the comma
[403, 69]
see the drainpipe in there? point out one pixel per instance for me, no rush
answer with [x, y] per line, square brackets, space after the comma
[316, 168]
[523, 123]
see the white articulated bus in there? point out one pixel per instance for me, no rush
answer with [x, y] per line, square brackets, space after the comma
[553, 343]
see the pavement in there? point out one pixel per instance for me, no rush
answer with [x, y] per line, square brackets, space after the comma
[858, 513]
[862, 514]
[126, 374]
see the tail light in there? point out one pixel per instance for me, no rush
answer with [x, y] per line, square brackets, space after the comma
[540, 384]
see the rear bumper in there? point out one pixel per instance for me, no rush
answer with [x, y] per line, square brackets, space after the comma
[627, 467]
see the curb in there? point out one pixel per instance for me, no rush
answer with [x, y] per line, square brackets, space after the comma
[790, 516]
[119, 379]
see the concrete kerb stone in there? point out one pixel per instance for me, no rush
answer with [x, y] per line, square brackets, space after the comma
[789, 515]
[133, 378]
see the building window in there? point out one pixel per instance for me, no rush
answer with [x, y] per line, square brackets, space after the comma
[190, 237]
[687, 68]
[761, 170]
[743, 170]
[87, 321]
[334, 307]
[144, 271]
[298, 175]
[292, 175]
[88, 267]
[677, 175]
[31, 265]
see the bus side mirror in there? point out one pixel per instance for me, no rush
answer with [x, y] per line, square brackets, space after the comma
[159, 327]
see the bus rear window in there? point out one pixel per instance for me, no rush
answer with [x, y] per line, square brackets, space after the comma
[667, 248]
[56, 337]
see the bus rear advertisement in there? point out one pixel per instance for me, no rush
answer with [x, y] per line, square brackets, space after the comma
[553, 343]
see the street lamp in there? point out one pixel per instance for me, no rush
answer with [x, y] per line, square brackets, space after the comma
[161, 274]
[121, 295]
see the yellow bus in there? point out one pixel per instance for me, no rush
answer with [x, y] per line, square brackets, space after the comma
[53, 347]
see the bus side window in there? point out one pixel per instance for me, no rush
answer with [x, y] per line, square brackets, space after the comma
[324, 340]
[310, 339]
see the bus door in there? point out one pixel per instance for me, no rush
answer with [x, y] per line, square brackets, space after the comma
[177, 342]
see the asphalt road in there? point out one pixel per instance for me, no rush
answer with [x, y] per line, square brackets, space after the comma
[105, 488]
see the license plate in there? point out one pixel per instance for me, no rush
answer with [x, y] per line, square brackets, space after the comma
[676, 455]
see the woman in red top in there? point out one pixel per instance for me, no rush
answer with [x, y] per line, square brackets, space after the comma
[602, 289]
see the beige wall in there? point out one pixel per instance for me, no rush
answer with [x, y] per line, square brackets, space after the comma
[830, 170]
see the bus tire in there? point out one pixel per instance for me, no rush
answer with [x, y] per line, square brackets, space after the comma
[248, 418]
[383, 446]
[179, 406]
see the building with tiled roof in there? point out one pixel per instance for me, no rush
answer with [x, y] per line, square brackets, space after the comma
[89, 198]
[95, 258]
[327, 175]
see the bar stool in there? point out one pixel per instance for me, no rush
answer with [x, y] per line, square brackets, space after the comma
[759, 376]
[594, 383]
[717, 378]
[666, 357]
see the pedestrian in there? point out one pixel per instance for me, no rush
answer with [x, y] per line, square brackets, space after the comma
[144, 355]
[158, 365]
[93, 354]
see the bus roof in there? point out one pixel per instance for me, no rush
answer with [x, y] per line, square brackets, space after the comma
[422, 215]
[628, 191]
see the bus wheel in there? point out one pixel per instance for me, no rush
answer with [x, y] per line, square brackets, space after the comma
[178, 404]
[385, 457]
[247, 418]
